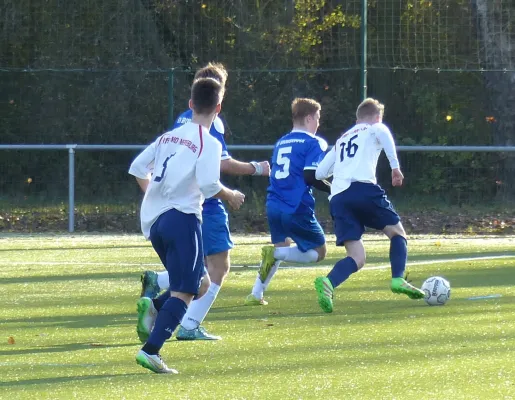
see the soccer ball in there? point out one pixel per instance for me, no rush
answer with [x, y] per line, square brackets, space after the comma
[437, 291]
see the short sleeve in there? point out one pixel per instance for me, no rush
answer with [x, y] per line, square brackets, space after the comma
[217, 131]
[315, 153]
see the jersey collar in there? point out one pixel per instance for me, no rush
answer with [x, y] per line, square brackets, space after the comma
[302, 131]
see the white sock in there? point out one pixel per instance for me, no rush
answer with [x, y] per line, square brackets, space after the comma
[163, 280]
[259, 287]
[293, 254]
[198, 309]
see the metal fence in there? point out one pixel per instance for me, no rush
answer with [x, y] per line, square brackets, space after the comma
[71, 149]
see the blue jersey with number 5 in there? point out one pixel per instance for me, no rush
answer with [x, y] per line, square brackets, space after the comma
[293, 153]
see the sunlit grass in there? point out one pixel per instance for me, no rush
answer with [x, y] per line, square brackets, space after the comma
[68, 302]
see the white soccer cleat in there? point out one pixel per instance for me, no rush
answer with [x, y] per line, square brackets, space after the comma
[154, 363]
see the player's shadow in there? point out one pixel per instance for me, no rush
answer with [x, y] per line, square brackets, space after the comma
[69, 277]
[46, 249]
[60, 348]
[47, 324]
[66, 379]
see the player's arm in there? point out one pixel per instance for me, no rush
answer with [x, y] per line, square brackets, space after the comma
[310, 179]
[326, 166]
[385, 139]
[231, 166]
[141, 167]
[207, 173]
[314, 156]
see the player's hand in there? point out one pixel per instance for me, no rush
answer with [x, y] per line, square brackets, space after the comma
[397, 177]
[262, 168]
[236, 199]
[266, 168]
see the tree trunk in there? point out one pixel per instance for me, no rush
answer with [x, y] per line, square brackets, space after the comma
[497, 52]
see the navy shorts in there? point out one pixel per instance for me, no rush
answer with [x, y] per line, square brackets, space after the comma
[361, 205]
[177, 239]
[215, 231]
[303, 228]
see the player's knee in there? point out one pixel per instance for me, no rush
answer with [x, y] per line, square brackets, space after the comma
[218, 266]
[204, 286]
[395, 230]
[360, 261]
[322, 252]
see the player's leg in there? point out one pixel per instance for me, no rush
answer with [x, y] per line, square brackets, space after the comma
[256, 298]
[398, 259]
[381, 215]
[269, 265]
[184, 262]
[150, 283]
[217, 244]
[309, 238]
[348, 230]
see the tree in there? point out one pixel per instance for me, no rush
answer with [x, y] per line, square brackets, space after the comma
[497, 55]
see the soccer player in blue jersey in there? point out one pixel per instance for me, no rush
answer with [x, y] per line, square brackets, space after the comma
[216, 235]
[187, 170]
[290, 203]
[357, 201]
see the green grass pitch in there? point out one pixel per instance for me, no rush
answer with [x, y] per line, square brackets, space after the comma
[69, 304]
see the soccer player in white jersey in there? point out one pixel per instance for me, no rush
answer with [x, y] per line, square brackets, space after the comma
[216, 235]
[187, 170]
[290, 205]
[357, 201]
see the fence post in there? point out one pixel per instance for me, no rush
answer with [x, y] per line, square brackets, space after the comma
[363, 66]
[71, 187]
[170, 97]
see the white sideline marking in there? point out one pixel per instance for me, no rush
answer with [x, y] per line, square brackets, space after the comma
[409, 264]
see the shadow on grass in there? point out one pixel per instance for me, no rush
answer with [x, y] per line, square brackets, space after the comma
[106, 247]
[72, 321]
[66, 379]
[358, 312]
[43, 279]
[60, 348]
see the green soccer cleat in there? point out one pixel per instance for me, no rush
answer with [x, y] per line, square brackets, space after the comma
[198, 333]
[250, 300]
[154, 363]
[325, 292]
[147, 315]
[149, 285]
[400, 286]
[267, 262]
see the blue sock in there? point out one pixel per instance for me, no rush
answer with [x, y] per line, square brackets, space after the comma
[167, 320]
[342, 270]
[159, 301]
[398, 256]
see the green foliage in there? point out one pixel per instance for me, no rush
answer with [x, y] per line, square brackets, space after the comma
[101, 72]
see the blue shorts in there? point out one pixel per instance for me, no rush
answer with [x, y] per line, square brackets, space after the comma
[177, 239]
[215, 231]
[303, 228]
[361, 205]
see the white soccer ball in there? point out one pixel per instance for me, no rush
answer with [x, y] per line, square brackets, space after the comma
[437, 291]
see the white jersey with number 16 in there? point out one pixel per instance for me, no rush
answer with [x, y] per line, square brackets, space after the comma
[355, 154]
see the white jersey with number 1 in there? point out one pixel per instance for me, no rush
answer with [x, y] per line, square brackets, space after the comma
[355, 155]
[187, 170]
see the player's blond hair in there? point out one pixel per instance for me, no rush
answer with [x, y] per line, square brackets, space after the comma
[369, 108]
[302, 107]
[213, 70]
